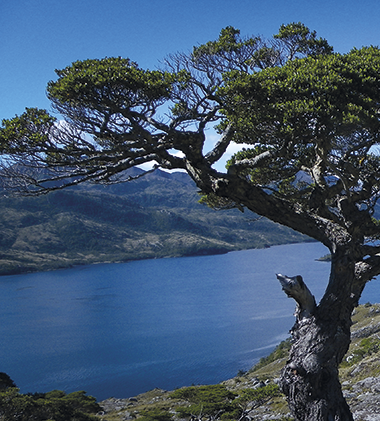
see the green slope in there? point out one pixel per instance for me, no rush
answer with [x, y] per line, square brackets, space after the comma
[154, 216]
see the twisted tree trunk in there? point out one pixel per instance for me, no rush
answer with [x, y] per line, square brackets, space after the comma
[320, 339]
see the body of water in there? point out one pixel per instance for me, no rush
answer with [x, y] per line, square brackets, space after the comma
[123, 329]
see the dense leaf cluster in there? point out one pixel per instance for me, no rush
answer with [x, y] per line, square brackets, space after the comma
[310, 115]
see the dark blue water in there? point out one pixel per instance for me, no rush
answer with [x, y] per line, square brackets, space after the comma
[122, 329]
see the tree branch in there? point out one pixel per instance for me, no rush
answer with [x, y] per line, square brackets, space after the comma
[294, 287]
[221, 147]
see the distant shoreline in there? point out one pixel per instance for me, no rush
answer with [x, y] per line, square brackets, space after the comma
[63, 264]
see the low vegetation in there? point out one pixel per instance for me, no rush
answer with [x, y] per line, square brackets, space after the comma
[51, 406]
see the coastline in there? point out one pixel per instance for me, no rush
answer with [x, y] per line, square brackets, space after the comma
[47, 263]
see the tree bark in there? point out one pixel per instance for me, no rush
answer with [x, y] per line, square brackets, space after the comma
[310, 378]
[320, 339]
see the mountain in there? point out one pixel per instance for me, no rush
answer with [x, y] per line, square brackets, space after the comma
[154, 216]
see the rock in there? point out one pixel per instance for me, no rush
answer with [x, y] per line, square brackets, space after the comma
[366, 331]
[364, 399]
[370, 383]
[113, 404]
[256, 383]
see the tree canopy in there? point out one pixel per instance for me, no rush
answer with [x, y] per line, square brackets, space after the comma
[118, 115]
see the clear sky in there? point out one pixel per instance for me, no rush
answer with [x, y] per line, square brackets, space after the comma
[38, 36]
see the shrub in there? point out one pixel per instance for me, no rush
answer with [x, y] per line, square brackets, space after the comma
[55, 405]
[207, 400]
[218, 402]
[258, 396]
[365, 348]
[155, 415]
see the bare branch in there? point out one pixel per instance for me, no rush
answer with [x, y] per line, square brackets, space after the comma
[296, 288]
[221, 147]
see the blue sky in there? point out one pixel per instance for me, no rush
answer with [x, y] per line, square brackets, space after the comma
[38, 36]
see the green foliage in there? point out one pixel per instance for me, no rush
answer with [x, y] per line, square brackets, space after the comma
[217, 401]
[258, 396]
[229, 41]
[275, 171]
[109, 83]
[215, 202]
[30, 130]
[328, 96]
[207, 400]
[155, 415]
[365, 348]
[309, 111]
[302, 40]
[55, 405]
[281, 351]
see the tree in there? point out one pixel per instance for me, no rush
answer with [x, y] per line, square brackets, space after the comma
[308, 123]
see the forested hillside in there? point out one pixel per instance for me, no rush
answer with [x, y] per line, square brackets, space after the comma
[154, 216]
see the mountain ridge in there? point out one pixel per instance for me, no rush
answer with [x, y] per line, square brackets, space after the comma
[154, 216]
